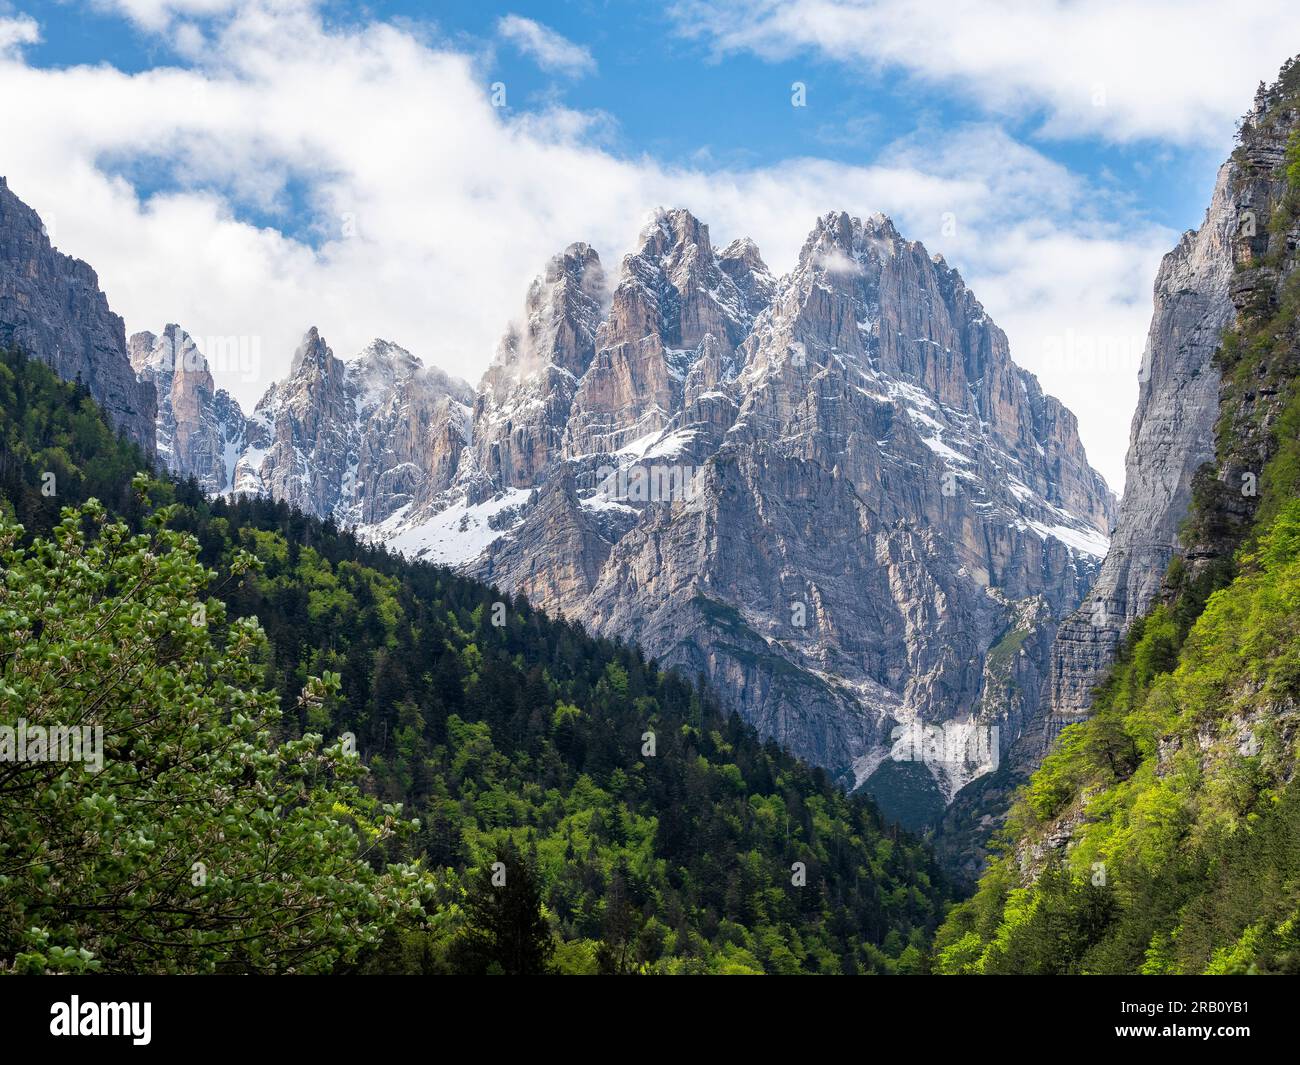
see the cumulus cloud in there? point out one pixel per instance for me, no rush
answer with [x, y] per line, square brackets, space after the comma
[1176, 70]
[289, 177]
[551, 51]
[16, 32]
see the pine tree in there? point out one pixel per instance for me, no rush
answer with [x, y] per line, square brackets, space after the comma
[619, 928]
[506, 932]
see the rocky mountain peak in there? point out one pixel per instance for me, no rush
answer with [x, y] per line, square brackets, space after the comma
[389, 358]
[672, 294]
[674, 288]
[740, 260]
[674, 234]
[572, 263]
[378, 372]
[524, 399]
[840, 243]
[852, 438]
[743, 251]
[562, 310]
[200, 429]
[833, 492]
[169, 353]
[356, 440]
[313, 357]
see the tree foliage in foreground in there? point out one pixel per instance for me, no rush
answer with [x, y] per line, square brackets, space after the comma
[193, 841]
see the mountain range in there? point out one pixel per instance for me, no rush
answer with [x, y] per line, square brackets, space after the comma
[832, 493]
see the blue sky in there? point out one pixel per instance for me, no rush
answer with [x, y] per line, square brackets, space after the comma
[252, 167]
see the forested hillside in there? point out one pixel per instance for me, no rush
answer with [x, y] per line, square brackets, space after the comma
[1160, 835]
[638, 828]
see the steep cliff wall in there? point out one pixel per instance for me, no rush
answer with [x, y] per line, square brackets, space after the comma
[51, 308]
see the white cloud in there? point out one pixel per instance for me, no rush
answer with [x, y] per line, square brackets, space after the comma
[159, 14]
[1179, 70]
[433, 210]
[16, 32]
[551, 51]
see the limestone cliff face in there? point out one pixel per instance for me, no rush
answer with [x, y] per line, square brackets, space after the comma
[672, 293]
[51, 308]
[1253, 396]
[1173, 433]
[1172, 436]
[832, 493]
[1221, 371]
[1195, 432]
[359, 440]
[200, 429]
[524, 400]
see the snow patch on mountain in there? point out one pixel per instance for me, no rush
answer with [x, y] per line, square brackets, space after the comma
[454, 536]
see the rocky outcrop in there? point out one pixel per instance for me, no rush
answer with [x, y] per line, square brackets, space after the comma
[1217, 272]
[1258, 356]
[1201, 441]
[1172, 437]
[740, 260]
[524, 400]
[355, 441]
[201, 429]
[51, 307]
[1217, 406]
